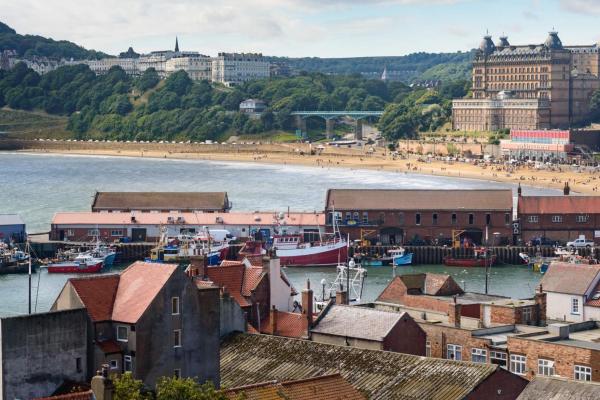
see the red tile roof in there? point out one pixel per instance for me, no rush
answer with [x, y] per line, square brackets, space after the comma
[87, 395]
[231, 277]
[97, 294]
[559, 205]
[252, 276]
[139, 284]
[289, 324]
[109, 346]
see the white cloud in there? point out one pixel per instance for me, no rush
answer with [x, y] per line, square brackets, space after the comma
[581, 6]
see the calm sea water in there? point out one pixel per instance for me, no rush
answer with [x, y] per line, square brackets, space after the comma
[36, 186]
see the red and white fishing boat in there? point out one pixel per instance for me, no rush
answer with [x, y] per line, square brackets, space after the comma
[84, 263]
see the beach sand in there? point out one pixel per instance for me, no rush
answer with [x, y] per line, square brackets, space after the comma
[583, 182]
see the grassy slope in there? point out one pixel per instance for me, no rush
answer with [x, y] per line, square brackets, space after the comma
[33, 124]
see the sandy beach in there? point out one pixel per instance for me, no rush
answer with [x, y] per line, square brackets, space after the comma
[580, 180]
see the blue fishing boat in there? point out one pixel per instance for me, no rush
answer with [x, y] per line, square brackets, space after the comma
[400, 257]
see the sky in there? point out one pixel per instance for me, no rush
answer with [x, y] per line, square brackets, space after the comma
[300, 28]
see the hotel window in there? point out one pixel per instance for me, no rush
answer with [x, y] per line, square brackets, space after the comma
[417, 219]
[479, 355]
[93, 232]
[434, 219]
[583, 373]
[114, 364]
[365, 218]
[488, 219]
[177, 338]
[428, 349]
[454, 352]
[175, 305]
[122, 333]
[582, 218]
[574, 305]
[518, 364]
[471, 219]
[128, 363]
[498, 358]
[557, 218]
[545, 367]
[453, 219]
[116, 232]
[533, 218]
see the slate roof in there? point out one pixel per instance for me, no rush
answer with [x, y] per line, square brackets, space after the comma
[160, 201]
[247, 359]
[560, 389]
[569, 278]
[329, 387]
[417, 199]
[559, 205]
[357, 322]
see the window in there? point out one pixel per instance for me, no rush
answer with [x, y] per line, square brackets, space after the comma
[128, 364]
[122, 333]
[479, 355]
[533, 218]
[114, 364]
[583, 373]
[93, 232]
[175, 305]
[417, 219]
[545, 367]
[434, 219]
[454, 352]
[177, 338]
[453, 219]
[177, 373]
[574, 305]
[116, 232]
[70, 232]
[488, 218]
[356, 216]
[498, 358]
[348, 216]
[78, 364]
[582, 218]
[518, 364]
[401, 218]
[471, 219]
[557, 218]
[507, 219]
[527, 314]
[365, 218]
[428, 349]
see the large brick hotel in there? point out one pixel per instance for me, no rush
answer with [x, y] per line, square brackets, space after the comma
[537, 86]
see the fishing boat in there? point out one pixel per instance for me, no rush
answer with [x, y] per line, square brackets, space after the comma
[351, 276]
[83, 263]
[477, 260]
[400, 257]
[183, 247]
[13, 260]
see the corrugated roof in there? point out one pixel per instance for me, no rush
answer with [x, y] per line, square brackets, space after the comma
[417, 199]
[247, 359]
[558, 205]
[97, 293]
[560, 389]
[329, 387]
[569, 278]
[11, 219]
[160, 201]
[341, 320]
[189, 218]
[139, 284]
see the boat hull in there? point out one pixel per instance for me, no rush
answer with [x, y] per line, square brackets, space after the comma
[403, 260]
[314, 256]
[74, 268]
[468, 262]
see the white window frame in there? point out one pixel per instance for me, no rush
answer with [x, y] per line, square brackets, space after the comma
[476, 355]
[93, 232]
[70, 233]
[177, 338]
[582, 218]
[175, 306]
[455, 350]
[119, 339]
[128, 363]
[114, 364]
[533, 219]
[518, 364]
[428, 349]
[116, 232]
[545, 367]
[575, 308]
[557, 219]
[582, 373]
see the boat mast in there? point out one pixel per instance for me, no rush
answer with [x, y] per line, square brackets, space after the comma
[28, 250]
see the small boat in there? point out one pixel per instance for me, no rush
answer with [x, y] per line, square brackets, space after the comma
[399, 257]
[13, 260]
[84, 263]
[183, 247]
[372, 262]
[477, 260]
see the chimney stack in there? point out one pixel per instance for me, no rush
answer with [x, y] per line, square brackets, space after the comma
[307, 305]
[540, 301]
[566, 189]
[102, 387]
[341, 296]
[273, 319]
[454, 310]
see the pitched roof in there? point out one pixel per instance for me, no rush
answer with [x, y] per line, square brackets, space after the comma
[341, 320]
[252, 277]
[230, 276]
[139, 284]
[560, 389]
[417, 199]
[289, 324]
[87, 395]
[97, 293]
[591, 301]
[329, 387]
[569, 278]
[427, 283]
[558, 205]
[160, 201]
[247, 359]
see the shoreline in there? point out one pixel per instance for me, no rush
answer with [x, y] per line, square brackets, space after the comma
[299, 154]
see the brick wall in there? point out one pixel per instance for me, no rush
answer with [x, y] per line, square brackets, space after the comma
[439, 336]
[406, 337]
[509, 315]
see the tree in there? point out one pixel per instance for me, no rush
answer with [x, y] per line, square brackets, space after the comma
[128, 388]
[148, 80]
[179, 83]
[186, 389]
[398, 121]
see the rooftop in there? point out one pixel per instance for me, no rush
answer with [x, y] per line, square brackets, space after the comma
[289, 324]
[11, 219]
[247, 359]
[418, 199]
[569, 278]
[422, 284]
[160, 201]
[341, 320]
[563, 389]
[559, 204]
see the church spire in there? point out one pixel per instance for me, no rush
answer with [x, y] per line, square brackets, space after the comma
[176, 45]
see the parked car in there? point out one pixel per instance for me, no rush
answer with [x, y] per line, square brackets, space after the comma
[581, 242]
[544, 241]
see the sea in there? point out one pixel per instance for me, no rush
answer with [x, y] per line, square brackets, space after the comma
[38, 185]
